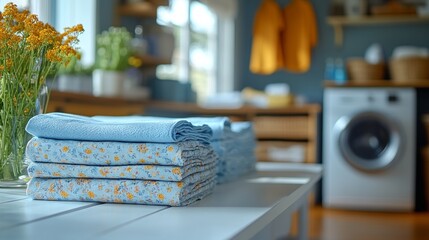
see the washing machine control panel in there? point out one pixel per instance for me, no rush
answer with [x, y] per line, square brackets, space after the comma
[392, 98]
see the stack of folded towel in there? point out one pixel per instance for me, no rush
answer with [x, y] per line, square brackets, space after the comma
[240, 158]
[119, 159]
[235, 144]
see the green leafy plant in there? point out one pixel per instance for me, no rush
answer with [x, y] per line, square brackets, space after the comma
[113, 49]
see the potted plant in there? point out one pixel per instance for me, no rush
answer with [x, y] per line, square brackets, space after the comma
[111, 63]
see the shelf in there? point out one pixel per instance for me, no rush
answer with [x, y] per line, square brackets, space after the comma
[151, 61]
[338, 22]
[380, 83]
[141, 10]
[191, 108]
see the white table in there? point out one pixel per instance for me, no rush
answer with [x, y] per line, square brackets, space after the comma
[256, 206]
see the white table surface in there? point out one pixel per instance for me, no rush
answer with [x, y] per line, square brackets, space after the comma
[242, 209]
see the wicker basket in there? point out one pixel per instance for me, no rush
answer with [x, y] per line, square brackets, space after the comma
[360, 70]
[409, 69]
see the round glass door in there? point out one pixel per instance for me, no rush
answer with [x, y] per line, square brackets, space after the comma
[368, 140]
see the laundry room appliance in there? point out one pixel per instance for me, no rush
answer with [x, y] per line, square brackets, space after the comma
[369, 149]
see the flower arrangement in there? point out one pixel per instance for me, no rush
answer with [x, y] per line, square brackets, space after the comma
[29, 51]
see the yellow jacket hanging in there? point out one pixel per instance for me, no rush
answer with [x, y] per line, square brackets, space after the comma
[299, 35]
[266, 56]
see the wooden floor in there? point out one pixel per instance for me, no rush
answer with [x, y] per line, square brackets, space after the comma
[332, 224]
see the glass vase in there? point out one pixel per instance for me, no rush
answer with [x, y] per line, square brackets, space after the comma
[14, 139]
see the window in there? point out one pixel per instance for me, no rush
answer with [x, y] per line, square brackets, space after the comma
[199, 47]
[21, 4]
[69, 13]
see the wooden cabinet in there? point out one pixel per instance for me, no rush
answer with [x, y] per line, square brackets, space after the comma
[380, 83]
[287, 134]
[89, 105]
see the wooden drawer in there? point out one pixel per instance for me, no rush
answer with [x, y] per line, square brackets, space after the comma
[273, 127]
[283, 151]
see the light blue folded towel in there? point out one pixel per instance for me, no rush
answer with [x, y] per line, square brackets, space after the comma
[220, 126]
[237, 155]
[122, 129]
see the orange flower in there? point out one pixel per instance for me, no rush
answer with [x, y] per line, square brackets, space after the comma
[176, 171]
[142, 148]
[170, 148]
[161, 196]
[130, 196]
[91, 194]
[64, 194]
[103, 172]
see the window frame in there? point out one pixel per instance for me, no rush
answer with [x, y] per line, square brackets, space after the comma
[223, 71]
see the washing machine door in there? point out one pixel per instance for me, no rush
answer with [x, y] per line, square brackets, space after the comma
[368, 140]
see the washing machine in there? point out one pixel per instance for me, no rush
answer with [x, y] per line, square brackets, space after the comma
[369, 150]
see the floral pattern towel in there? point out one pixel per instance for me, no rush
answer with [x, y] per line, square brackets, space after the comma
[117, 153]
[143, 172]
[181, 193]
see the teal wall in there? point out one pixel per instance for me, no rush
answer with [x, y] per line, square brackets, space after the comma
[356, 41]
[105, 14]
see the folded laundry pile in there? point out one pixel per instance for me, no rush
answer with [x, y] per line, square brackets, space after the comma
[235, 144]
[240, 148]
[120, 159]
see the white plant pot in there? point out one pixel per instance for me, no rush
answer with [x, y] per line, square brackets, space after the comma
[355, 8]
[86, 84]
[108, 83]
[69, 83]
